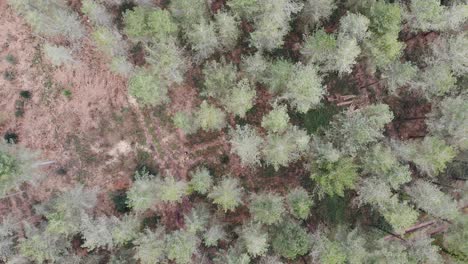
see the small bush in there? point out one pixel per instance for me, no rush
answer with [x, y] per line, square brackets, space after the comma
[58, 55]
[11, 59]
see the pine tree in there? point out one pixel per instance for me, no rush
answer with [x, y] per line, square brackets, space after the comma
[333, 178]
[254, 239]
[213, 235]
[201, 181]
[240, 99]
[220, 78]
[180, 246]
[227, 194]
[209, 117]
[354, 26]
[277, 75]
[143, 194]
[197, 220]
[266, 208]
[290, 240]
[299, 203]
[97, 233]
[203, 39]
[171, 190]
[246, 143]
[148, 88]
[316, 11]
[276, 121]
[150, 246]
[126, 229]
[227, 27]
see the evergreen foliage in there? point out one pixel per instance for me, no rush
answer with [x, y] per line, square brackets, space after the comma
[201, 181]
[290, 240]
[227, 194]
[299, 203]
[209, 117]
[266, 208]
[246, 143]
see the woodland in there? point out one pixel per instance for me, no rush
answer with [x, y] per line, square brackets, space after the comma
[234, 131]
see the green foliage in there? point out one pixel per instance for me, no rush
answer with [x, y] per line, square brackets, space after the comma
[143, 22]
[64, 212]
[97, 232]
[280, 150]
[189, 13]
[171, 190]
[50, 18]
[255, 66]
[240, 99]
[455, 238]
[58, 55]
[449, 121]
[266, 208]
[327, 251]
[167, 61]
[385, 18]
[450, 50]
[290, 240]
[398, 74]
[246, 143]
[333, 178]
[245, 8]
[96, 12]
[437, 80]
[185, 122]
[353, 244]
[277, 120]
[304, 89]
[384, 50]
[213, 235]
[346, 54]
[43, 247]
[108, 41]
[431, 155]
[351, 131]
[148, 89]
[126, 229]
[180, 246]
[299, 203]
[234, 255]
[354, 26]
[227, 194]
[143, 194]
[197, 220]
[254, 239]
[382, 162]
[201, 181]
[430, 199]
[209, 117]
[319, 48]
[17, 165]
[228, 30]
[423, 250]
[220, 78]
[426, 15]
[277, 75]
[203, 40]
[315, 11]
[272, 24]
[150, 246]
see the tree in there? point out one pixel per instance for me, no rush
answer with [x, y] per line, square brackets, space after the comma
[397, 74]
[433, 201]
[266, 208]
[42, 247]
[126, 229]
[272, 24]
[255, 66]
[201, 181]
[185, 121]
[277, 75]
[180, 246]
[167, 61]
[277, 120]
[246, 143]
[171, 190]
[17, 165]
[213, 235]
[209, 117]
[203, 39]
[455, 237]
[319, 48]
[64, 212]
[437, 80]
[245, 8]
[97, 232]
[354, 245]
[97, 13]
[385, 18]
[352, 130]
[327, 251]
[290, 240]
[227, 194]
[354, 26]
[254, 239]
[280, 150]
[333, 178]
[227, 27]
[347, 52]
[143, 194]
[449, 121]
[234, 255]
[450, 50]
[142, 22]
[50, 18]
[189, 14]
[423, 250]
[304, 89]
[240, 99]
[220, 78]
[430, 155]
[316, 11]
[148, 89]
[382, 162]
[426, 15]
[197, 220]
[150, 246]
[299, 203]
[384, 50]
